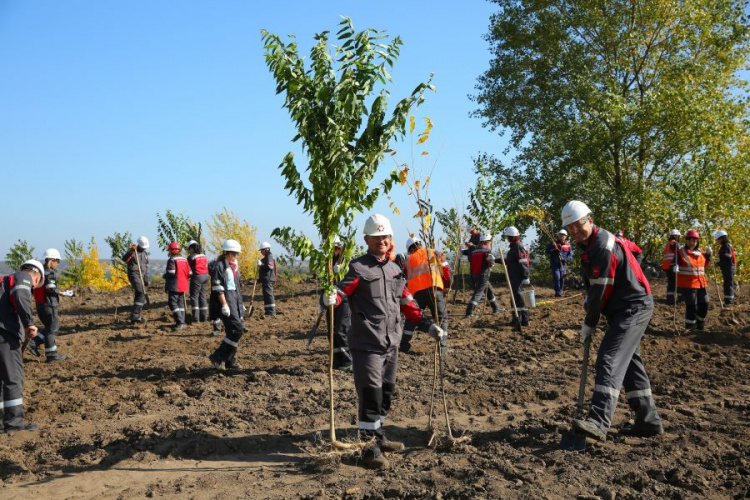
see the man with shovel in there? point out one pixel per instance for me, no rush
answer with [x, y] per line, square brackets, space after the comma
[617, 289]
[136, 260]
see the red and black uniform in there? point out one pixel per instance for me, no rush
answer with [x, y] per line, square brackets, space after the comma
[226, 280]
[560, 254]
[728, 265]
[617, 289]
[481, 261]
[47, 301]
[376, 292]
[668, 261]
[517, 261]
[176, 283]
[135, 259]
[199, 285]
[634, 249]
[267, 275]
[692, 284]
[15, 316]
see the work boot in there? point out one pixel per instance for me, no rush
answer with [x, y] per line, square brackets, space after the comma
[701, 326]
[33, 348]
[387, 445]
[470, 310]
[641, 430]
[346, 367]
[589, 429]
[56, 358]
[216, 361]
[217, 327]
[495, 307]
[24, 428]
[178, 327]
[374, 458]
[232, 364]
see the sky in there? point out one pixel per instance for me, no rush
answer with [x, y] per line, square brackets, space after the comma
[112, 112]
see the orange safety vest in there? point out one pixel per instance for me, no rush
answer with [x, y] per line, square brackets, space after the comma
[418, 271]
[692, 273]
[668, 260]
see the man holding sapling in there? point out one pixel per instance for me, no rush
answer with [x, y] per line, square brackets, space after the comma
[375, 289]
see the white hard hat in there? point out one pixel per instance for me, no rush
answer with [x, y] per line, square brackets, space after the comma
[231, 246]
[562, 231]
[719, 234]
[337, 242]
[377, 225]
[675, 232]
[574, 211]
[265, 246]
[52, 253]
[142, 242]
[412, 241]
[38, 266]
[485, 237]
[191, 243]
[511, 231]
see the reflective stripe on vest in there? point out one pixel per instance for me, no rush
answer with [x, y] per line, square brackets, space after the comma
[421, 273]
[690, 274]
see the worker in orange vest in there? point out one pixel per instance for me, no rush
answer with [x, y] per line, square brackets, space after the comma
[668, 261]
[691, 280]
[425, 283]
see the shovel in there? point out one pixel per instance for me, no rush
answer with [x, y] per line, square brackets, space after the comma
[572, 440]
[252, 300]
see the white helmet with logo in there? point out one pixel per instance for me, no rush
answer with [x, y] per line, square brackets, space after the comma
[231, 246]
[562, 231]
[377, 225]
[337, 242]
[142, 242]
[33, 264]
[412, 241]
[675, 232]
[265, 246]
[511, 231]
[485, 237]
[719, 234]
[573, 211]
[52, 253]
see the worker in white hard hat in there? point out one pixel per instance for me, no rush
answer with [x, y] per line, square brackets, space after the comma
[617, 289]
[226, 303]
[560, 254]
[136, 260]
[199, 281]
[342, 317]
[481, 261]
[518, 264]
[668, 261]
[376, 291]
[16, 324]
[47, 300]
[267, 275]
[728, 265]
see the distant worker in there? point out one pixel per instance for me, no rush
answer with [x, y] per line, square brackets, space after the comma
[226, 304]
[616, 288]
[473, 243]
[136, 260]
[342, 318]
[198, 281]
[634, 249]
[668, 261]
[375, 289]
[16, 324]
[445, 270]
[47, 300]
[517, 261]
[728, 265]
[560, 255]
[176, 284]
[267, 275]
[480, 267]
[425, 283]
[691, 280]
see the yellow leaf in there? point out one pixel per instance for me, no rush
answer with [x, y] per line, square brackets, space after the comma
[424, 153]
[402, 176]
[396, 211]
[423, 138]
[416, 184]
[427, 220]
[412, 124]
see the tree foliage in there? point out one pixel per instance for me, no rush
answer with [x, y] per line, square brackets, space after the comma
[119, 244]
[637, 108]
[73, 274]
[227, 225]
[98, 274]
[178, 228]
[495, 199]
[19, 253]
[290, 263]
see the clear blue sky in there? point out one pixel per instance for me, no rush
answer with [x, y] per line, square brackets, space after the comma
[113, 111]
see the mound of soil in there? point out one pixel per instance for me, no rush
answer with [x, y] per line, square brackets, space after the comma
[138, 411]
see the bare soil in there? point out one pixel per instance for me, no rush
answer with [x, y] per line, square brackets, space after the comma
[138, 412]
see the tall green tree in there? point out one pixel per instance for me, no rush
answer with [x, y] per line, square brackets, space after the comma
[343, 129]
[19, 253]
[496, 198]
[119, 244]
[178, 228]
[620, 104]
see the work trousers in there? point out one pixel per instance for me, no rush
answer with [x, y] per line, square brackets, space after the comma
[51, 321]
[269, 303]
[139, 296]
[234, 327]
[198, 297]
[671, 286]
[342, 321]
[619, 364]
[696, 307]
[728, 273]
[558, 280]
[11, 380]
[426, 300]
[375, 381]
[482, 283]
[177, 306]
[523, 311]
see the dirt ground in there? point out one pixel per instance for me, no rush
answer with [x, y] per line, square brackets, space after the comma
[137, 411]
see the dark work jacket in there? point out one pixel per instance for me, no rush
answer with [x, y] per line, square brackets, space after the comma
[475, 240]
[224, 280]
[727, 258]
[267, 269]
[48, 293]
[517, 261]
[560, 254]
[130, 259]
[15, 304]
[481, 261]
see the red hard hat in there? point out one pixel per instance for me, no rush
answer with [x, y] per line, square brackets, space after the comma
[174, 246]
[692, 234]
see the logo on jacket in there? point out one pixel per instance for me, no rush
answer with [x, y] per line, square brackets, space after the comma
[595, 272]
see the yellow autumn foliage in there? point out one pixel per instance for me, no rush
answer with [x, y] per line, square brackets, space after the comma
[94, 272]
[227, 225]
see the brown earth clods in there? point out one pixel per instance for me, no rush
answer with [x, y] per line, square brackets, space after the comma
[138, 411]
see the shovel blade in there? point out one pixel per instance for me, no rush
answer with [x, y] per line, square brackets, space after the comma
[573, 441]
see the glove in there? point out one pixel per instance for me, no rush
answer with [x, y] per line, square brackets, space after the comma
[437, 333]
[708, 252]
[330, 299]
[336, 268]
[586, 331]
[67, 293]
[225, 310]
[675, 269]
[260, 262]
[526, 282]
